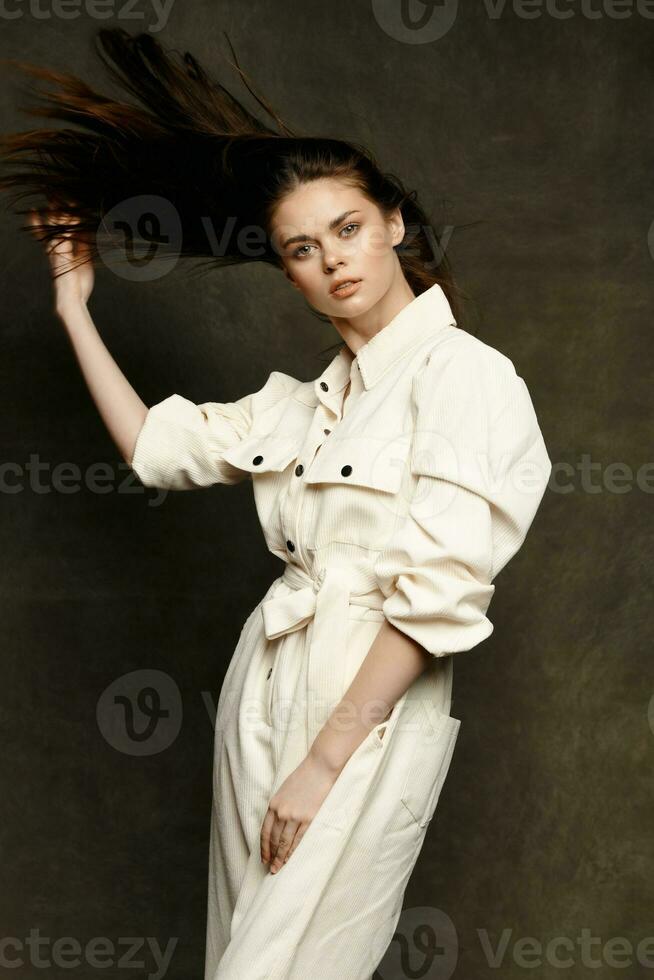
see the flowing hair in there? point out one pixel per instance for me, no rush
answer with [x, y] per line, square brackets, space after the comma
[186, 148]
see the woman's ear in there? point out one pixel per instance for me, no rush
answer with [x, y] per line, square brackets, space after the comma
[396, 223]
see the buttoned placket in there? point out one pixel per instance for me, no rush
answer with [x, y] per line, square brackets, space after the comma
[329, 412]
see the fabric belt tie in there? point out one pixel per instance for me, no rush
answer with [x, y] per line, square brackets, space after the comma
[324, 600]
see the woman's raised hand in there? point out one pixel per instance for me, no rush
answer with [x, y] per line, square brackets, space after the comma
[70, 263]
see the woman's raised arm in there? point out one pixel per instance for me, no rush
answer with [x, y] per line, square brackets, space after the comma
[174, 444]
[121, 409]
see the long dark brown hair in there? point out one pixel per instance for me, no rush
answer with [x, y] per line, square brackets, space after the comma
[188, 142]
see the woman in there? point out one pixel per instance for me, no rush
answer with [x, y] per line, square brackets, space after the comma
[394, 487]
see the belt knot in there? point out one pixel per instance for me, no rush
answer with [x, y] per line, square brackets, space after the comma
[323, 599]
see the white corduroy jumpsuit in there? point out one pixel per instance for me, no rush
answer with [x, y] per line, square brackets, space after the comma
[396, 485]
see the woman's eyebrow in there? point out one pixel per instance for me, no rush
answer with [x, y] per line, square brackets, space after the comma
[332, 225]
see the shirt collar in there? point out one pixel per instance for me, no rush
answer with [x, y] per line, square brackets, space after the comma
[427, 314]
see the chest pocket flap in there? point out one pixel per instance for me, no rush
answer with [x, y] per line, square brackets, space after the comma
[262, 453]
[364, 461]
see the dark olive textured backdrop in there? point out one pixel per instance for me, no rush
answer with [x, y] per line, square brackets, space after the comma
[535, 132]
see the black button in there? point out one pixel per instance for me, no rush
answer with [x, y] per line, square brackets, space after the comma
[346, 471]
[269, 673]
[326, 431]
[299, 469]
[290, 546]
[257, 460]
[324, 386]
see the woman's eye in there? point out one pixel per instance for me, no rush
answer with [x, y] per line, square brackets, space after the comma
[299, 252]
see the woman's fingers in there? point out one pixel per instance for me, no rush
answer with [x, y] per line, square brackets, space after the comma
[301, 831]
[38, 220]
[279, 838]
[266, 827]
[285, 840]
[61, 249]
[68, 251]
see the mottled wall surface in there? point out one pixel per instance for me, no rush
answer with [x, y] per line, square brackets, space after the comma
[526, 130]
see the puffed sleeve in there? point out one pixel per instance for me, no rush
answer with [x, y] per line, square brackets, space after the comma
[481, 469]
[180, 445]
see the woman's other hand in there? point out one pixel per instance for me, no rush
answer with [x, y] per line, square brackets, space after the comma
[72, 270]
[292, 808]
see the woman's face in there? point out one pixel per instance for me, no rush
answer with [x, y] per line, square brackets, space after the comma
[326, 231]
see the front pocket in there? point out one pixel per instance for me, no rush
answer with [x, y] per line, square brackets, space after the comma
[382, 731]
[357, 489]
[429, 766]
[264, 453]
[362, 461]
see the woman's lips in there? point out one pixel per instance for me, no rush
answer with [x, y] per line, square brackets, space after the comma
[344, 291]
